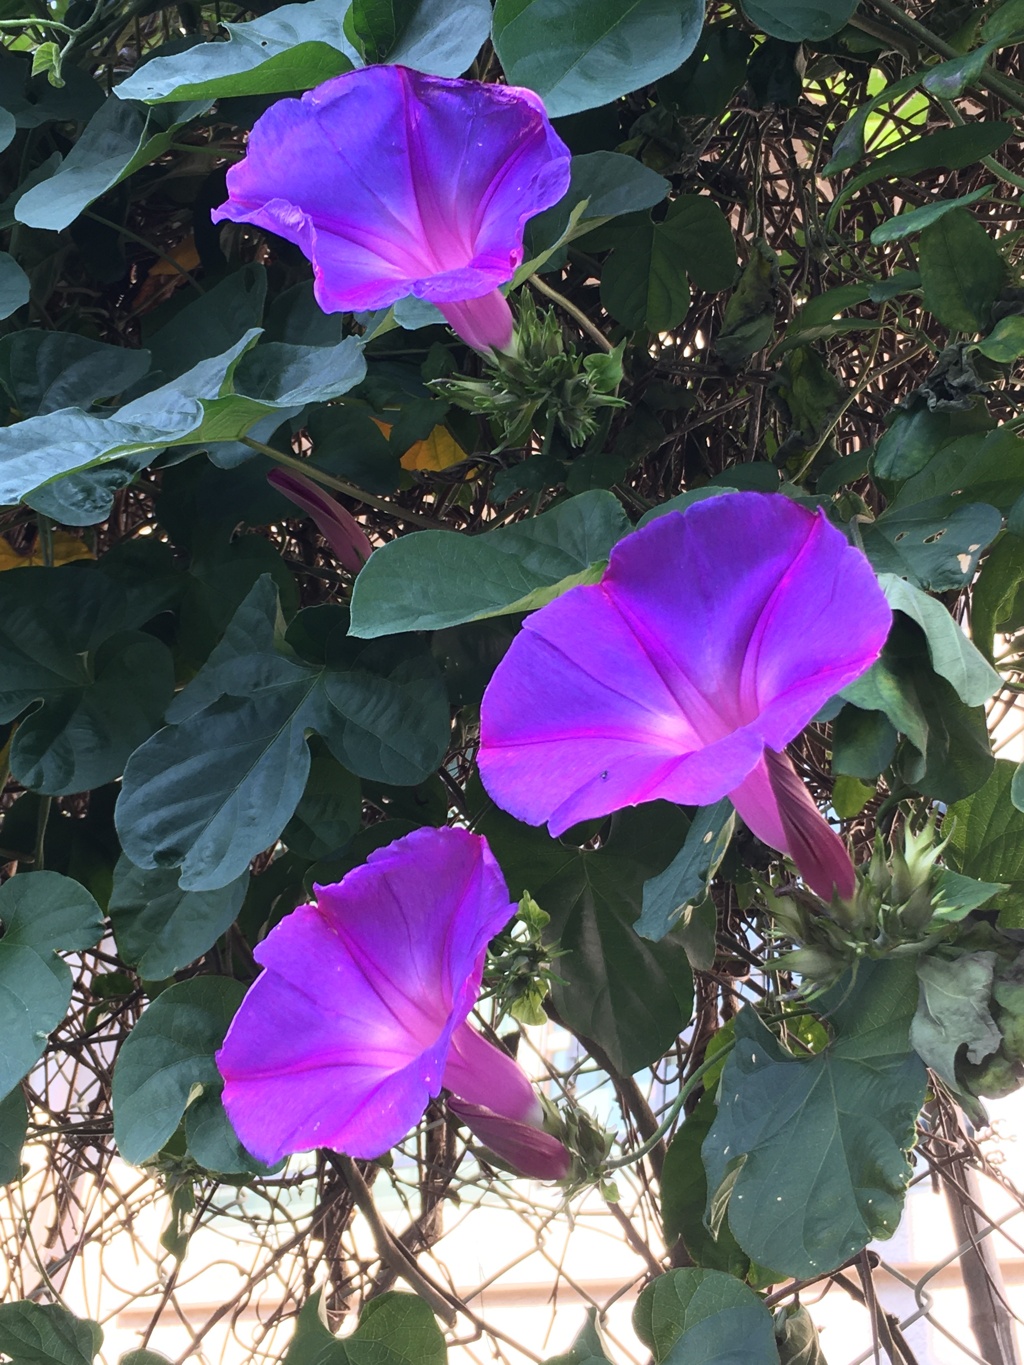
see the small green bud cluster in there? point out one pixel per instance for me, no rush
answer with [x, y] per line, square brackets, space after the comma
[585, 1139]
[906, 903]
[518, 971]
[544, 385]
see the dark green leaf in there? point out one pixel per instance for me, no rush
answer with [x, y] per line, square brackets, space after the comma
[348, 444]
[847, 1115]
[212, 1142]
[953, 1012]
[168, 1052]
[1005, 342]
[951, 652]
[220, 783]
[749, 318]
[578, 54]
[330, 811]
[393, 1329]
[294, 47]
[796, 20]
[704, 1317]
[291, 376]
[797, 1338]
[42, 914]
[588, 1348]
[961, 270]
[685, 880]
[915, 220]
[374, 25]
[997, 605]
[159, 928]
[630, 996]
[13, 1126]
[610, 184]
[43, 448]
[14, 285]
[98, 688]
[643, 283]
[711, 75]
[936, 543]
[947, 148]
[986, 841]
[863, 743]
[987, 468]
[210, 324]
[684, 1195]
[952, 757]
[914, 438]
[443, 36]
[45, 371]
[46, 1334]
[951, 78]
[119, 138]
[436, 579]
[1005, 24]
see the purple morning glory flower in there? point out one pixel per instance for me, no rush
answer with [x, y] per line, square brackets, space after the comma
[714, 637]
[359, 1017]
[339, 528]
[397, 183]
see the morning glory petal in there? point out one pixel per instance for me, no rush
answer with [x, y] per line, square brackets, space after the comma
[395, 183]
[345, 1036]
[715, 634]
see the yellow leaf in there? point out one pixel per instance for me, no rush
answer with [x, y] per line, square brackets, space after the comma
[438, 451]
[66, 549]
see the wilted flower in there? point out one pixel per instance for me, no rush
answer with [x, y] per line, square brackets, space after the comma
[714, 637]
[397, 183]
[339, 528]
[359, 1017]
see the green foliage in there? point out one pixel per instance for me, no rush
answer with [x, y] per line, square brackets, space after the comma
[97, 686]
[796, 20]
[46, 1334]
[954, 1012]
[42, 914]
[161, 928]
[13, 1127]
[986, 840]
[714, 317]
[644, 284]
[587, 1349]
[593, 50]
[685, 881]
[627, 995]
[210, 791]
[961, 270]
[705, 1316]
[684, 1195]
[393, 1329]
[847, 1114]
[168, 1054]
[437, 578]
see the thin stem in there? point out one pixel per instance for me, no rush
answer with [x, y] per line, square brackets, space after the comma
[38, 23]
[991, 80]
[339, 485]
[675, 1109]
[577, 314]
[389, 1249]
